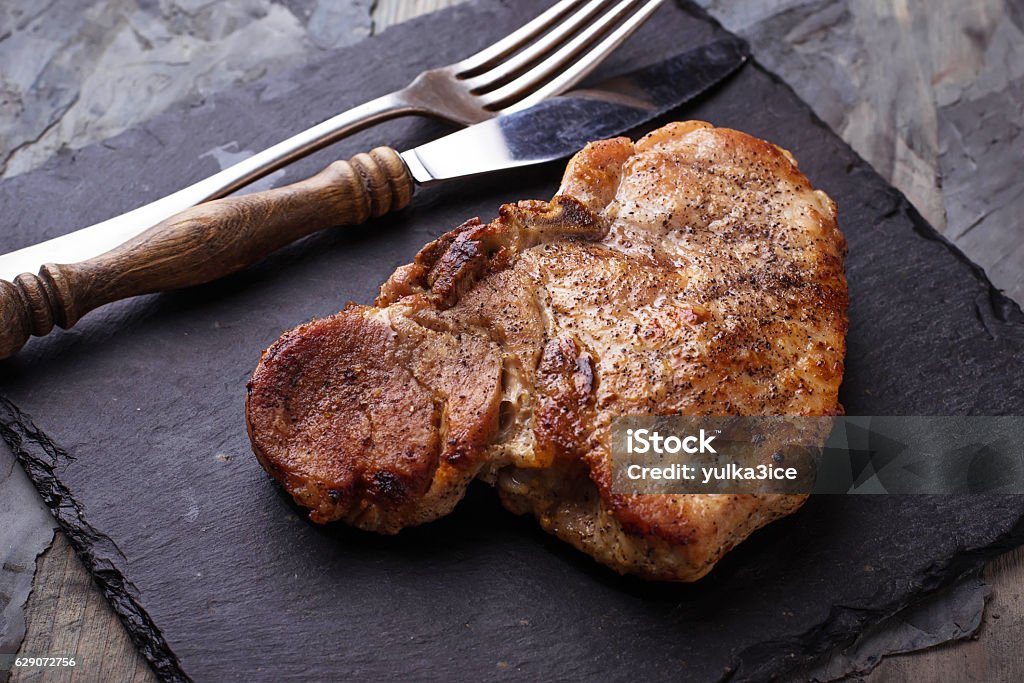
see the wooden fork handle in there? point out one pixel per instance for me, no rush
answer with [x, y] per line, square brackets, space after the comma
[203, 243]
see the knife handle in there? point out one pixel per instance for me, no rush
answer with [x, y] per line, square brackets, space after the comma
[203, 243]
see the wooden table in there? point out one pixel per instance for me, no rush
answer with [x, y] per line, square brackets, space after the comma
[896, 125]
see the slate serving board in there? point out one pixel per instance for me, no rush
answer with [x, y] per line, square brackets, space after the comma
[131, 425]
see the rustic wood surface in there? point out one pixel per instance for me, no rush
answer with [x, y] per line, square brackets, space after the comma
[994, 654]
[67, 616]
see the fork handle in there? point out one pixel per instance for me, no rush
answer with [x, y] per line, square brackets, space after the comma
[203, 243]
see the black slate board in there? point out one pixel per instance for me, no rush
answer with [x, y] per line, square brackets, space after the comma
[131, 424]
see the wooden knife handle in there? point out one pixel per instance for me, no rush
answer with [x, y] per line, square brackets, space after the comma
[203, 243]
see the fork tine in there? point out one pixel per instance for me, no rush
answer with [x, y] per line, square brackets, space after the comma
[513, 41]
[506, 98]
[503, 71]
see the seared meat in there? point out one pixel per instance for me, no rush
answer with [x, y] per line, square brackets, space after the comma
[695, 272]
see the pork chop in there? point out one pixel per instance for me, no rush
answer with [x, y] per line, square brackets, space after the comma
[695, 272]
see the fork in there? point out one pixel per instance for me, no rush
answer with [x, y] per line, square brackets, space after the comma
[545, 57]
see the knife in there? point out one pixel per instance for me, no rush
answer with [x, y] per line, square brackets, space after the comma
[214, 239]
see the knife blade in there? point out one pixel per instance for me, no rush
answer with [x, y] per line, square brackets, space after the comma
[216, 238]
[561, 126]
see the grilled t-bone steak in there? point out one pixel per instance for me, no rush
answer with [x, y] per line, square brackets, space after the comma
[694, 272]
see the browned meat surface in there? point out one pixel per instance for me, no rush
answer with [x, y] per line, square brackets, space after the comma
[695, 272]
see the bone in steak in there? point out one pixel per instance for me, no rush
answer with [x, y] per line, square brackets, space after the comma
[694, 272]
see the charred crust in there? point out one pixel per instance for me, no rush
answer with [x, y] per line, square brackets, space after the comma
[311, 414]
[567, 384]
[459, 454]
[429, 255]
[388, 486]
[448, 267]
[349, 414]
[571, 212]
[654, 517]
[456, 270]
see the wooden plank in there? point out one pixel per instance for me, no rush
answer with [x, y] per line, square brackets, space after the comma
[67, 616]
[994, 654]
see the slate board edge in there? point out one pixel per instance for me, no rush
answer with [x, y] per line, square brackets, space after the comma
[768, 660]
[41, 458]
